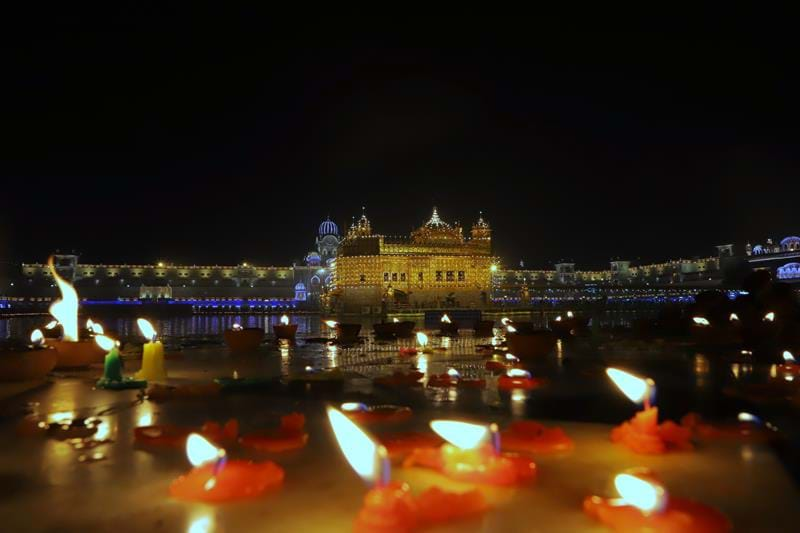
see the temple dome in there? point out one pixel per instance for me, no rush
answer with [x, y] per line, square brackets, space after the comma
[313, 259]
[328, 227]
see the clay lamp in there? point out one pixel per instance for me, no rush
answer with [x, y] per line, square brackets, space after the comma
[447, 328]
[285, 330]
[243, 340]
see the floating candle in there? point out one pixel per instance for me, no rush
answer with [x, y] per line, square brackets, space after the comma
[643, 434]
[112, 368]
[361, 413]
[533, 437]
[152, 354]
[390, 506]
[285, 330]
[216, 479]
[290, 435]
[789, 368]
[517, 378]
[472, 454]
[644, 505]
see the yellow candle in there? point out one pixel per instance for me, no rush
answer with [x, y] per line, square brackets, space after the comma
[152, 356]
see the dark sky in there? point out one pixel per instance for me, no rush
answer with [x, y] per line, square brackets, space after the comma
[150, 136]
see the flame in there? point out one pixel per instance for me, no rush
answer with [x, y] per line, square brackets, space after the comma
[236, 327]
[747, 417]
[395, 320]
[353, 406]
[65, 310]
[635, 388]
[788, 357]
[511, 329]
[445, 319]
[200, 451]
[558, 318]
[570, 314]
[106, 343]
[89, 324]
[505, 320]
[284, 320]
[769, 317]
[462, 434]
[422, 339]
[512, 358]
[518, 373]
[647, 496]
[364, 455]
[331, 323]
[37, 337]
[308, 369]
[52, 324]
[146, 328]
[734, 317]
[98, 329]
[453, 373]
[701, 321]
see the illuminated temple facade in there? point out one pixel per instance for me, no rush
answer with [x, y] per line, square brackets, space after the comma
[436, 265]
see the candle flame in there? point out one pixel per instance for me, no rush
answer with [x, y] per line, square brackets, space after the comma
[395, 320]
[200, 451]
[558, 318]
[647, 496]
[464, 435]
[635, 388]
[570, 314]
[453, 373]
[65, 310]
[37, 337]
[505, 320]
[97, 328]
[331, 323]
[445, 319]
[769, 317]
[309, 369]
[146, 328]
[365, 456]
[748, 417]
[106, 343]
[511, 329]
[701, 321]
[518, 373]
[512, 358]
[422, 339]
[788, 357]
[52, 324]
[236, 327]
[284, 320]
[353, 406]
[734, 317]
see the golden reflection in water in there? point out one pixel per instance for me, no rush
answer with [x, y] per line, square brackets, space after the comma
[103, 431]
[445, 342]
[736, 370]
[61, 417]
[202, 522]
[145, 414]
[747, 453]
[518, 398]
[332, 352]
[422, 364]
[283, 347]
[452, 394]
[773, 371]
[701, 364]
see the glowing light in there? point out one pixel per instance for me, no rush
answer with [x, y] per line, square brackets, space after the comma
[493, 268]
[748, 417]
[146, 328]
[505, 320]
[647, 496]
[769, 317]
[445, 319]
[734, 317]
[570, 314]
[395, 320]
[237, 327]
[518, 373]
[366, 457]
[512, 358]
[308, 369]
[422, 363]
[558, 318]
[284, 320]
[635, 388]
[200, 451]
[453, 373]
[202, 524]
[788, 357]
[511, 329]
[701, 321]
[37, 337]
[422, 339]
[65, 310]
[353, 406]
[331, 323]
[106, 343]
[462, 434]
[235, 374]
[52, 324]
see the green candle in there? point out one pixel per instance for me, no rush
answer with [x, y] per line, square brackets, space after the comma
[112, 369]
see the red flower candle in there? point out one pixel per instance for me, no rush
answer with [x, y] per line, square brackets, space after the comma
[290, 435]
[450, 379]
[645, 506]
[215, 479]
[643, 434]
[533, 437]
[517, 378]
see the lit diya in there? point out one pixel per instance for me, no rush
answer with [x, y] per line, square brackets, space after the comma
[285, 330]
[215, 479]
[789, 366]
[748, 427]
[364, 414]
[533, 437]
[112, 368]
[472, 454]
[517, 378]
[290, 435]
[453, 379]
[242, 340]
[175, 436]
[390, 506]
[644, 505]
[447, 328]
[643, 433]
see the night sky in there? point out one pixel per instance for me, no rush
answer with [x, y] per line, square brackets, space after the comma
[149, 136]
